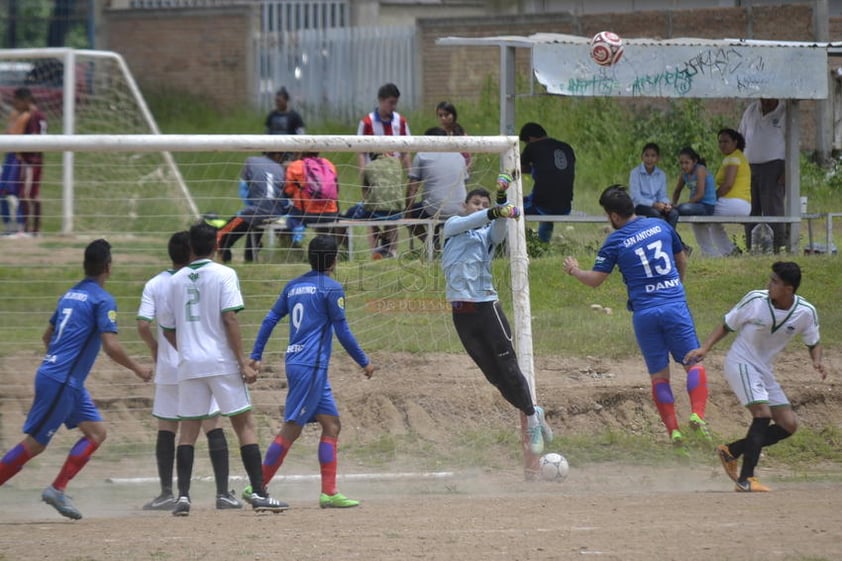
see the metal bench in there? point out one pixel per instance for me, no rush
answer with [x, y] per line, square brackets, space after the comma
[271, 229]
[713, 219]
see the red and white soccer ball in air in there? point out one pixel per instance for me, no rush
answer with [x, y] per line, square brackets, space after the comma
[606, 48]
[554, 467]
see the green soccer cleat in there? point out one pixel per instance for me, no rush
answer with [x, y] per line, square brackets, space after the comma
[700, 428]
[246, 496]
[678, 444]
[337, 501]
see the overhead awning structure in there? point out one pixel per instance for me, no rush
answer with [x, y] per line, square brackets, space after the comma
[674, 68]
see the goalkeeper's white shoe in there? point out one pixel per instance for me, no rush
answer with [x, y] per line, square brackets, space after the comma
[546, 431]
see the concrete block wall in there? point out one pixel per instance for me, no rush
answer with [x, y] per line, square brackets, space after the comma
[206, 52]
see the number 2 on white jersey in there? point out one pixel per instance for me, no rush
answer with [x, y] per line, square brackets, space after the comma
[191, 307]
[658, 256]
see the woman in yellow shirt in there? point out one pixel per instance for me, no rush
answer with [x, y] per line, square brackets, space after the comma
[733, 187]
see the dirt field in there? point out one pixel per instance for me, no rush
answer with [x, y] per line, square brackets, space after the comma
[608, 511]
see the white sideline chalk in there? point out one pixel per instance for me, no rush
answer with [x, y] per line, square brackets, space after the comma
[310, 477]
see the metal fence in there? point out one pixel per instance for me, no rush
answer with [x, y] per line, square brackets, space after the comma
[334, 74]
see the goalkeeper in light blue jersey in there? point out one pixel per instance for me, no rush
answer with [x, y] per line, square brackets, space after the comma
[315, 304]
[470, 242]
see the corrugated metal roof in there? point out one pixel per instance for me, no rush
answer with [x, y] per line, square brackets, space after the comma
[561, 38]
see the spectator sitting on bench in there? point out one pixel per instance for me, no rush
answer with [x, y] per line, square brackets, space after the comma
[312, 185]
[699, 181]
[383, 199]
[443, 176]
[261, 190]
[648, 187]
[552, 164]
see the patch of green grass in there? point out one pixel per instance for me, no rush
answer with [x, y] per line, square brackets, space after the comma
[808, 447]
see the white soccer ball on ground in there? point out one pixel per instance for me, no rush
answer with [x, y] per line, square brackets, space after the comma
[554, 467]
[606, 48]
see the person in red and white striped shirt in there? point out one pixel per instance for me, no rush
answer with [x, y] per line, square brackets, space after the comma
[384, 121]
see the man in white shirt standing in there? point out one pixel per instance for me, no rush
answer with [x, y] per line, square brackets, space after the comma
[765, 322]
[443, 176]
[200, 320]
[763, 125]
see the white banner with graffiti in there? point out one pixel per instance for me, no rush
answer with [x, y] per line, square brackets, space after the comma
[689, 68]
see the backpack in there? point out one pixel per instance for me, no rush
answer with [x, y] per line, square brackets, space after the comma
[320, 180]
[384, 179]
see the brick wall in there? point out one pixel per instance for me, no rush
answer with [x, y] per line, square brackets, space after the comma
[205, 52]
[208, 51]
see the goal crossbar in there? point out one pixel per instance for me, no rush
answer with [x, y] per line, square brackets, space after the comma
[254, 143]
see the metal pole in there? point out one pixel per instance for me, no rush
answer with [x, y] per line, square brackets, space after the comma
[824, 119]
[793, 171]
[507, 90]
[68, 127]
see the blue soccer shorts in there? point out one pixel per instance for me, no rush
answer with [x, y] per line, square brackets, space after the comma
[664, 330]
[56, 403]
[309, 394]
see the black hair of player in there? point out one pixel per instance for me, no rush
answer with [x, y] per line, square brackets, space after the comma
[789, 273]
[322, 253]
[179, 248]
[478, 192]
[531, 130]
[388, 90]
[615, 198]
[283, 92]
[202, 239]
[97, 257]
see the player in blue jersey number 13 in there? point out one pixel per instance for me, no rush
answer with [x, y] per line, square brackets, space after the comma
[315, 304]
[84, 320]
[651, 258]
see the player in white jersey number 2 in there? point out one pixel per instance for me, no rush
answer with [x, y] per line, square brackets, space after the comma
[765, 321]
[200, 320]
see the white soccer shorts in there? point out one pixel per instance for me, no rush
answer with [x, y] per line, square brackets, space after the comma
[751, 385]
[165, 404]
[196, 396]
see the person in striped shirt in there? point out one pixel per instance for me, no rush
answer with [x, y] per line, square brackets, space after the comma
[384, 121]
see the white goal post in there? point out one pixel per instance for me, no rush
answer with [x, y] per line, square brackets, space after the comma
[90, 91]
[507, 147]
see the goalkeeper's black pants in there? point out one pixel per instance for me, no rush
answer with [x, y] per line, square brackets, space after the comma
[486, 335]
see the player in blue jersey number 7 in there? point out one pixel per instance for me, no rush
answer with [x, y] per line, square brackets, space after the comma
[470, 242]
[84, 320]
[315, 304]
[651, 258]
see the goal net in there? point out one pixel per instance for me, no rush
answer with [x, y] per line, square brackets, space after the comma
[93, 92]
[396, 306]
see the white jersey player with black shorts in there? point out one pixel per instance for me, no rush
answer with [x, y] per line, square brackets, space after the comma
[765, 322]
